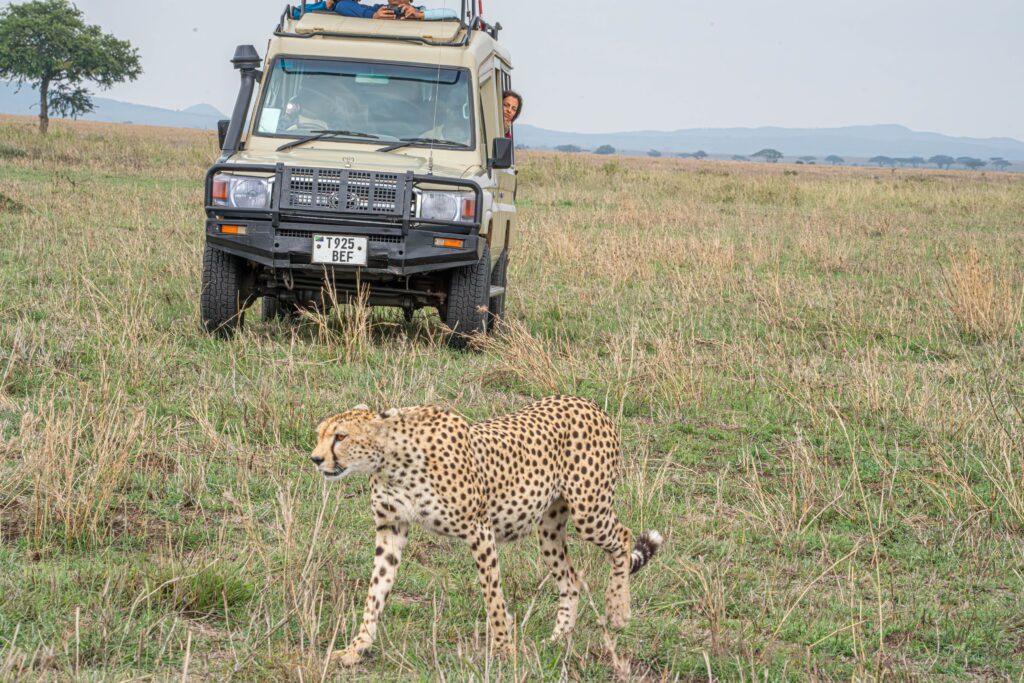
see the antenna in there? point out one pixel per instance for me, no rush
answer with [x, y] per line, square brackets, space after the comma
[437, 93]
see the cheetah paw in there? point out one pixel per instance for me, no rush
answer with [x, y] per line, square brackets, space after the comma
[503, 650]
[618, 621]
[350, 656]
[561, 633]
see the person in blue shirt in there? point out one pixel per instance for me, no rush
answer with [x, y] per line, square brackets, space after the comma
[393, 9]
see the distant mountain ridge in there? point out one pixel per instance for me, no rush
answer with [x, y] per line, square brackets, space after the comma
[855, 141]
[26, 102]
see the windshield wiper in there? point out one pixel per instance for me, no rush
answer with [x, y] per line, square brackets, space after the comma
[320, 134]
[405, 142]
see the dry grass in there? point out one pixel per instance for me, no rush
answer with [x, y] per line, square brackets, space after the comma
[818, 375]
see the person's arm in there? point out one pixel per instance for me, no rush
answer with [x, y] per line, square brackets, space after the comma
[351, 8]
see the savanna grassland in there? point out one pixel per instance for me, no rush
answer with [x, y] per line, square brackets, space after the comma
[818, 375]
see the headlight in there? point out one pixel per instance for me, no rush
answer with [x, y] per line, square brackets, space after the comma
[447, 206]
[241, 192]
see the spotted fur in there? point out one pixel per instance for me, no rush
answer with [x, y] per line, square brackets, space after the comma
[488, 483]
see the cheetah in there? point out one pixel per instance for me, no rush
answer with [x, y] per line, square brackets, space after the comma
[488, 483]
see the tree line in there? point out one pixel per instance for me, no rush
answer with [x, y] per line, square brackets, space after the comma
[773, 156]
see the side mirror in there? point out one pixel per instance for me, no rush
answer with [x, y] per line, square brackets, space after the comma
[502, 156]
[222, 131]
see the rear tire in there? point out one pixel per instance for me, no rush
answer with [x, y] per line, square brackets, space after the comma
[467, 306]
[272, 308]
[499, 278]
[225, 294]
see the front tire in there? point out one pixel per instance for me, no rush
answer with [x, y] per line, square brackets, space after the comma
[466, 312]
[225, 294]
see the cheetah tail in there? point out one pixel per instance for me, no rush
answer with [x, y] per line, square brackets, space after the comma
[647, 545]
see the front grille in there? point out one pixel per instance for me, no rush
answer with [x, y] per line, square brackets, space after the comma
[344, 191]
[308, 234]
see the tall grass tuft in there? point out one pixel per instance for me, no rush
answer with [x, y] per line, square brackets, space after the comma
[522, 359]
[983, 300]
[78, 460]
[345, 327]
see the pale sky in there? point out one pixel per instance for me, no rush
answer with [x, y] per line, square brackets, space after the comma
[948, 66]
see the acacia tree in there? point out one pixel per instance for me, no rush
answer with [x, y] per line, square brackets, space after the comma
[834, 159]
[770, 155]
[47, 44]
[942, 160]
[971, 163]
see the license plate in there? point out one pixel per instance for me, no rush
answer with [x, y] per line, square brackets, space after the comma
[339, 250]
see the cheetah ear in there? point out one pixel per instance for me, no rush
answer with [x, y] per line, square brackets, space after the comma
[391, 412]
[362, 406]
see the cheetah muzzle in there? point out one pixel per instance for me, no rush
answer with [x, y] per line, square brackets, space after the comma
[488, 483]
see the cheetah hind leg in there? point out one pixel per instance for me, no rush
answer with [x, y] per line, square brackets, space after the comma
[644, 548]
[552, 548]
[628, 556]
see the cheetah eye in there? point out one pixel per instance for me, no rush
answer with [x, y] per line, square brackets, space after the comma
[338, 438]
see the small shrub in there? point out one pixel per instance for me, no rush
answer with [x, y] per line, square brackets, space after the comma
[9, 205]
[11, 152]
[201, 594]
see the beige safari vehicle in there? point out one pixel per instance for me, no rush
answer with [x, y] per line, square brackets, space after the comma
[364, 158]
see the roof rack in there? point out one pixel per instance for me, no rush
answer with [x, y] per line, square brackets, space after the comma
[470, 20]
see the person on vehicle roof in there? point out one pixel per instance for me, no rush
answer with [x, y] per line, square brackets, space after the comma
[511, 108]
[393, 9]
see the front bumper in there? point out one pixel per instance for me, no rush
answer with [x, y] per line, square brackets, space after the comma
[289, 246]
[399, 244]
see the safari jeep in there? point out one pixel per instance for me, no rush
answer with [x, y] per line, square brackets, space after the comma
[373, 163]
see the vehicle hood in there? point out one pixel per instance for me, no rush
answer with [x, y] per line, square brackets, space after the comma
[414, 159]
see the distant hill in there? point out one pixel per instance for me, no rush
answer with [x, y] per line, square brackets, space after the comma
[198, 116]
[853, 141]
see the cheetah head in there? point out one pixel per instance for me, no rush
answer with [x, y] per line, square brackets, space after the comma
[348, 443]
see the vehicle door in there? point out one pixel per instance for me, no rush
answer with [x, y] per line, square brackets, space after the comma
[497, 79]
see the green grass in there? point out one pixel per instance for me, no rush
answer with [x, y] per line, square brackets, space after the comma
[818, 376]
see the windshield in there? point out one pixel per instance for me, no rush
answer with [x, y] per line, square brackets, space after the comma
[389, 101]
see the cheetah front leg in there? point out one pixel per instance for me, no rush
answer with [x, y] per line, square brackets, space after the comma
[391, 539]
[485, 552]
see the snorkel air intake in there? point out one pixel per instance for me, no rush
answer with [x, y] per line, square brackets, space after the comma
[247, 61]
